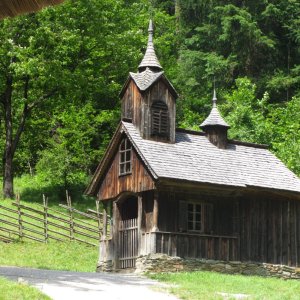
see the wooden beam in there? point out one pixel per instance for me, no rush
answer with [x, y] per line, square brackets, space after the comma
[155, 212]
[139, 222]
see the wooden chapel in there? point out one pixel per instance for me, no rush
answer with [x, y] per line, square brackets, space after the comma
[189, 193]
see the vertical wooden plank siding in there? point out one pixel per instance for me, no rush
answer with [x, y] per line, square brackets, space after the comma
[270, 230]
[137, 107]
[113, 184]
[193, 245]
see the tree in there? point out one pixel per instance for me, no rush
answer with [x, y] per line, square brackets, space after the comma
[65, 62]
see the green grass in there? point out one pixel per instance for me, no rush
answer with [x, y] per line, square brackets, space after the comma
[208, 285]
[11, 290]
[73, 256]
[70, 256]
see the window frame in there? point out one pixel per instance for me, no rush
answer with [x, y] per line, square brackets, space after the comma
[194, 217]
[124, 162]
[160, 119]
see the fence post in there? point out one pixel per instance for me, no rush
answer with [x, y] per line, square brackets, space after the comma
[45, 204]
[19, 217]
[71, 216]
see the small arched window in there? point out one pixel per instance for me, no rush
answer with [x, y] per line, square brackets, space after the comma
[159, 119]
[125, 161]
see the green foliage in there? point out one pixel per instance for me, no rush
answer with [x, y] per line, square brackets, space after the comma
[285, 132]
[245, 113]
[32, 188]
[69, 62]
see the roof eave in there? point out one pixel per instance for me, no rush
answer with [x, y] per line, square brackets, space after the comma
[91, 188]
[161, 181]
[15, 8]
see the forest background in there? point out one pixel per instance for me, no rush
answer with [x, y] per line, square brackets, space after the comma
[61, 71]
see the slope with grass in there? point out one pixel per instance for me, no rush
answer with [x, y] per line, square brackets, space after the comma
[66, 256]
[210, 285]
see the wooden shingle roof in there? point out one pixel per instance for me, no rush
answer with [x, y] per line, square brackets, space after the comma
[214, 118]
[193, 158]
[145, 79]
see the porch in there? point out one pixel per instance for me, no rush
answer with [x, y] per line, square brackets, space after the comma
[188, 245]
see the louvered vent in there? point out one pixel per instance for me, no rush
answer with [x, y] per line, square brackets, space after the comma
[160, 119]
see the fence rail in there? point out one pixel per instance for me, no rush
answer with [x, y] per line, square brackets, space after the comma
[43, 223]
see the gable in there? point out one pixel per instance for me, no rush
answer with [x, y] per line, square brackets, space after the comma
[113, 184]
[107, 183]
[144, 80]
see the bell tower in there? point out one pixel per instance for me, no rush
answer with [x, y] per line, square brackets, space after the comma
[149, 99]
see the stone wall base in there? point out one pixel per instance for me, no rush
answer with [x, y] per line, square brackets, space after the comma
[104, 266]
[157, 263]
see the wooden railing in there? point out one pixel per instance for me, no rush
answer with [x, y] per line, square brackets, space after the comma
[42, 223]
[189, 245]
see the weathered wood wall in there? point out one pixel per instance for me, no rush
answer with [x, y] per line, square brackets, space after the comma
[268, 226]
[137, 106]
[147, 211]
[189, 245]
[113, 184]
[159, 91]
[224, 212]
[270, 230]
[131, 104]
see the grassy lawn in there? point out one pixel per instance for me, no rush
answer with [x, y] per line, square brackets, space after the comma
[70, 256]
[11, 290]
[209, 285]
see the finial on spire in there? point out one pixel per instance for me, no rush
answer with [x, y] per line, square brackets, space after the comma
[150, 60]
[214, 99]
[150, 32]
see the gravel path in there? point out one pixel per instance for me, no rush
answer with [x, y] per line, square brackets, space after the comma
[88, 286]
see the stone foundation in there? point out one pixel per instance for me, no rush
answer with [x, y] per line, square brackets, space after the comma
[157, 263]
[106, 266]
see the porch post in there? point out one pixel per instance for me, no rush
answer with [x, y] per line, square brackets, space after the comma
[155, 212]
[103, 251]
[115, 238]
[139, 223]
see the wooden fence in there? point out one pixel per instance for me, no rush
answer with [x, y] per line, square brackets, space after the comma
[42, 223]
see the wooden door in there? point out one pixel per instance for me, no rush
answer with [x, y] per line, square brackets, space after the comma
[128, 243]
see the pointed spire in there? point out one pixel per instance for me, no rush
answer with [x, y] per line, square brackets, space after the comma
[150, 59]
[214, 126]
[214, 118]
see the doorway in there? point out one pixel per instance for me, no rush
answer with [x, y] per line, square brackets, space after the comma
[128, 232]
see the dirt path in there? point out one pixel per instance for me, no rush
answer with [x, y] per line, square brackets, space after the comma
[87, 286]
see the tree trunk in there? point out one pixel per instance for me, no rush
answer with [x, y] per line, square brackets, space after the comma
[8, 151]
